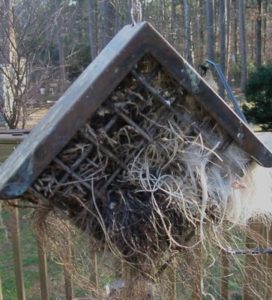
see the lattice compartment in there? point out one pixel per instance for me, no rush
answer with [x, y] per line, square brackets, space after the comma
[100, 180]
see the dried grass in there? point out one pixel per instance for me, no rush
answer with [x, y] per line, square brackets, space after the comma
[152, 179]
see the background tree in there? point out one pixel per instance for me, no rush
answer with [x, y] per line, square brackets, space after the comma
[58, 39]
[259, 33]
[222, 22]
[243, 48]
[259, 97]
[21, 30]
[210, 29]
[107, 19]
[92, 27]
[188, 47]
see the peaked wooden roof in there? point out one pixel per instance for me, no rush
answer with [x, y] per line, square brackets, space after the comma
[94, 85]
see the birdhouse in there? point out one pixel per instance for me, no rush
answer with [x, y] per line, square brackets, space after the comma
[139, 144]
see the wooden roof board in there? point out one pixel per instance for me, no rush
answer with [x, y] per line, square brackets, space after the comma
[95, 84]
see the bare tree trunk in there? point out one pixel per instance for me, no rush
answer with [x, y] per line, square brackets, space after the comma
[127, 11]
[199, 50]
[259, 34]
[210, 29]
[108, 21]
[144, 10]
[92, 24]
[216, 28]
[222, 21]
[13, 68]
[265, 9]
[117, 17]
[10, 40]
[228, 36]
[243, 49]
[174, 22]
[235, 31]
[61, 53]
[252, 42]
[187, 32]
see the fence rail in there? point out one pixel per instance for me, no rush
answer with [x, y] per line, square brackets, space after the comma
[8, 141]
[225, 292]
[14, 232]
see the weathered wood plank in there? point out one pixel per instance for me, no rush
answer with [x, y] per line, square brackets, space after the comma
[69, 293]
[254, 286]
[1, 293]
[43, 270]
[16, 244]
[224, 277]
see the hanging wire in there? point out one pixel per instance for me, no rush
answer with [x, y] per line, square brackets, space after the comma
[136, 12]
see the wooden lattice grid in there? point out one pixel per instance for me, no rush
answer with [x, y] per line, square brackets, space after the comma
[89, 176]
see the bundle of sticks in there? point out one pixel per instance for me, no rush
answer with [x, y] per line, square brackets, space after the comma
[147, 173]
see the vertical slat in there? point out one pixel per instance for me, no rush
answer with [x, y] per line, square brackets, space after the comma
[254, 274]
[1, 293]
[67, 276]
[249, 261]
[269, 264]
[43, 270]
[68, 285]
[197, 280]
[173, 279]
[94, 271]
[15, 237]
[224, 277]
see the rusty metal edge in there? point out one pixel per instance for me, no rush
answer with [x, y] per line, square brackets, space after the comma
[95, 84]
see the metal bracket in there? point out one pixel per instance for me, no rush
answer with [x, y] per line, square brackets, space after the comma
[227, 87]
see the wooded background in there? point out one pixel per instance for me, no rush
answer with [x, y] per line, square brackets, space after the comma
[46, 44]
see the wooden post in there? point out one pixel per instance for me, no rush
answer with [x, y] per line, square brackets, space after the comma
[15, 238]
[173, 278]
[1, 293]
[68, 285]
[43, 270]
[197, 274]
[268, 264]
[224, 276]
[96, 270]
[254, 275]
[67, 275]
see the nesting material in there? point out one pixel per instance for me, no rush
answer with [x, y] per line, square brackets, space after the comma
[148, 171]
